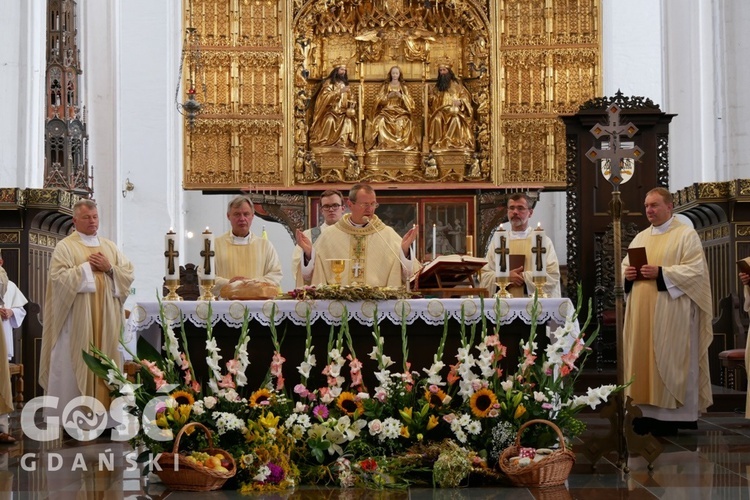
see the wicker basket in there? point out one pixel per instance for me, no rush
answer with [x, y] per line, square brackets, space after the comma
[190, 476]
[551, 471]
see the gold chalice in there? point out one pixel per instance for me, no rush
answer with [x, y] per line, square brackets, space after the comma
[337, 267]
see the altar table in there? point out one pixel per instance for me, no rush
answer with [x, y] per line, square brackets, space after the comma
[424, 319]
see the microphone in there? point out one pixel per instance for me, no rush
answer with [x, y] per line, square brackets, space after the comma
[366, 219]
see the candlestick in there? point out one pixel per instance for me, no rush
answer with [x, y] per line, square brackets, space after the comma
[171, 252]
[208, 254]
[538, 250]
[434, 241]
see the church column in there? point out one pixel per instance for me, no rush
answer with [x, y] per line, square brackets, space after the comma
[22, 53]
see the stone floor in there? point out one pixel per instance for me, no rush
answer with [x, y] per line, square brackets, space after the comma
[710, 462]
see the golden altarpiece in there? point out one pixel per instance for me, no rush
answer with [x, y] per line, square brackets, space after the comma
[275, 120]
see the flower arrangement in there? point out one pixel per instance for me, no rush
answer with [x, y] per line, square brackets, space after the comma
[439, 426]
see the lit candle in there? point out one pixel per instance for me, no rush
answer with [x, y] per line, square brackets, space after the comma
[501, 253]
[538, 252]
[207, 252]
[434, 241]
[171, 252]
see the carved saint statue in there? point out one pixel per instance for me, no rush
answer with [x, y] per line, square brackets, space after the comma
[390, 127]
[451, 125]
[334, 122]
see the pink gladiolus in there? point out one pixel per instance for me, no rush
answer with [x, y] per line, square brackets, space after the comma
[301, 390]
[195, 386]
[184, 365]
[160, 382]
[152, 368]
[233, 366]
[227, 382]
[355, 366]
[453, 374]
[279, 382]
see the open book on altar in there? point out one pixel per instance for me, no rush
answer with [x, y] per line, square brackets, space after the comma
[448, 271]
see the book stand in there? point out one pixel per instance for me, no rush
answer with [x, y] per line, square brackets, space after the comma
[449, 279]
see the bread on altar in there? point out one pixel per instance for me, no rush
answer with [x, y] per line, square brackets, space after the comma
[249, 289]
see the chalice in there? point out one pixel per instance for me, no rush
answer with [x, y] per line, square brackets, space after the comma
[337, 267]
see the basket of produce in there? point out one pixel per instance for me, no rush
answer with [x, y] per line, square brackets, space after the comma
[540, 468]
[203, 470]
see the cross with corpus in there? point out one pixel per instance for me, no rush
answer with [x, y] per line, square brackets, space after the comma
[207, 253]
[171, 254]
[503, 251]
[614, 152]
[539, 250]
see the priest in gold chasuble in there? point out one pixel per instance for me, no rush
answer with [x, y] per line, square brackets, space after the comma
[242, 255]
[89, 280]
[372, 252]
[668, 316]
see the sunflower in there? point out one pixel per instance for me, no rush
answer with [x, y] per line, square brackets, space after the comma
[259, 397]
[183, 398]
[481, 402]
[348, 403]
[435, 399]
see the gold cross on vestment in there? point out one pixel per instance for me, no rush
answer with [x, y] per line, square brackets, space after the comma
[503, 252]
[539, 250]
[171, 254]
[207, 253]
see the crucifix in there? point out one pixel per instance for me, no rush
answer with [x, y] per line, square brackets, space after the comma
[356, 268]
[207, 253]
[171, 254]
[503, 252]
[613, 157]
[539, 250]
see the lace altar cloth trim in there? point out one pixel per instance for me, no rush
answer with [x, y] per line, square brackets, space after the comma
[431, 311]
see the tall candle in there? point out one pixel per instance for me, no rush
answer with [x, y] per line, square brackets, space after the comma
[470, 245]
[501, 253]
[413, 252]
[538, 252]
[434, 241]
[171, 252]
[207, 252]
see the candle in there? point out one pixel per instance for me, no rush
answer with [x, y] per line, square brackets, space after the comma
[413, 252]
[171, 252]
[538, 252]
[207, 252]
[501, 253]
[469, 245]
[434, 241]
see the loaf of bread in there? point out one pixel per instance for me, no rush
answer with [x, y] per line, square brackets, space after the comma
[249, 290]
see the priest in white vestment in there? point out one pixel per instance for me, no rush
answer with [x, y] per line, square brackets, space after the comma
[745, 279]
[12, 314]
[373, 253]
[303, 258]
[242, 255]
[89, 280]
[521, 279]
[667, 328]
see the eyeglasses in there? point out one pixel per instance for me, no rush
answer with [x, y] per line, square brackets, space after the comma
[517, 209]
[368, 205]
[335, 206]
